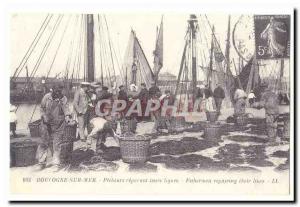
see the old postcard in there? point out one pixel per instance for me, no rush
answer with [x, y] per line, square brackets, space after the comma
[151, 106]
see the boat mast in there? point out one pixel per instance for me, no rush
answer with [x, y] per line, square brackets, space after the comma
[227, 53]
[211, 58]
[194, 25]
[90, 48]
[281, 74]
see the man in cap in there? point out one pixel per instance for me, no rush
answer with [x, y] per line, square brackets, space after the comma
[122, 93]
[219, 95]
[153, 90]
[54, 113]
[81, 104]
[269, 101]
[143, 96]
[239, 98]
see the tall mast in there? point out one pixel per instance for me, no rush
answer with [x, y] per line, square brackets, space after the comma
[90, 48]
[227, 52]
[194, 25]
[281, 73]
[211, 58]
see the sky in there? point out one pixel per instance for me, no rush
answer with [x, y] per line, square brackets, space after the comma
[24, 26]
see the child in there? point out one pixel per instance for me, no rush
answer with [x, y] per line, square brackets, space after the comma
[13, 120]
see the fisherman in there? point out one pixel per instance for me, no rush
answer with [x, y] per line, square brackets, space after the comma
[143, 97]
[98, 90]
[239, 102]
[104, 94]
[13, 120]
[101, 128]
[167, 99]
[200, 97]
[92, 100]
[55, 114]
[122, 95]
[219, 95]
[207, 91]
[81, 104]
[153, 90]
[251, 97]
[269, 101]
[133, 91]
[210, 104]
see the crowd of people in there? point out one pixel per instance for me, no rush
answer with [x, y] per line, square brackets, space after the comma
[93, 129]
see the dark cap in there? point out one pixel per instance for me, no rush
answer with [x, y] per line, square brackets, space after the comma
[143, 84]
[121, 86]
[105, 88]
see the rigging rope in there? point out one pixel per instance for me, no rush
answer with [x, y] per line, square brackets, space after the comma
[56, 52]
[46, 46]
[32, 45]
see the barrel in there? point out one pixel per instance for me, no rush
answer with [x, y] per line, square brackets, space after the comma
[213, 131]
[212, 116]
[134, 148]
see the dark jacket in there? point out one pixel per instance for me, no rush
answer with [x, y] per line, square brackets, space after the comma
[219, 93]
[199, 93]
[144, 94]
[207, 92]
[153, 91]
[123, 95]
[104, 95]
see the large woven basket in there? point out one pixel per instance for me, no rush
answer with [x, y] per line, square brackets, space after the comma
[66, 149]
[24, 153]
[242, 120]
[212, 116]
[34, 128]
[134, 148]
[213, 131]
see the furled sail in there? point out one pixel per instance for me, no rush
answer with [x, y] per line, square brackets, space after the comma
[158, 52]
[136, 67]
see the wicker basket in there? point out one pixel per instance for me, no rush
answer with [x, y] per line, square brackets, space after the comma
[128, 125]
[286, 126]
[271, 132]
[213, 131]
[134, 148]
[70, 133]
[66, 149]
[212, 116]
[24, 153]
[242, 120]
[34, 128]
